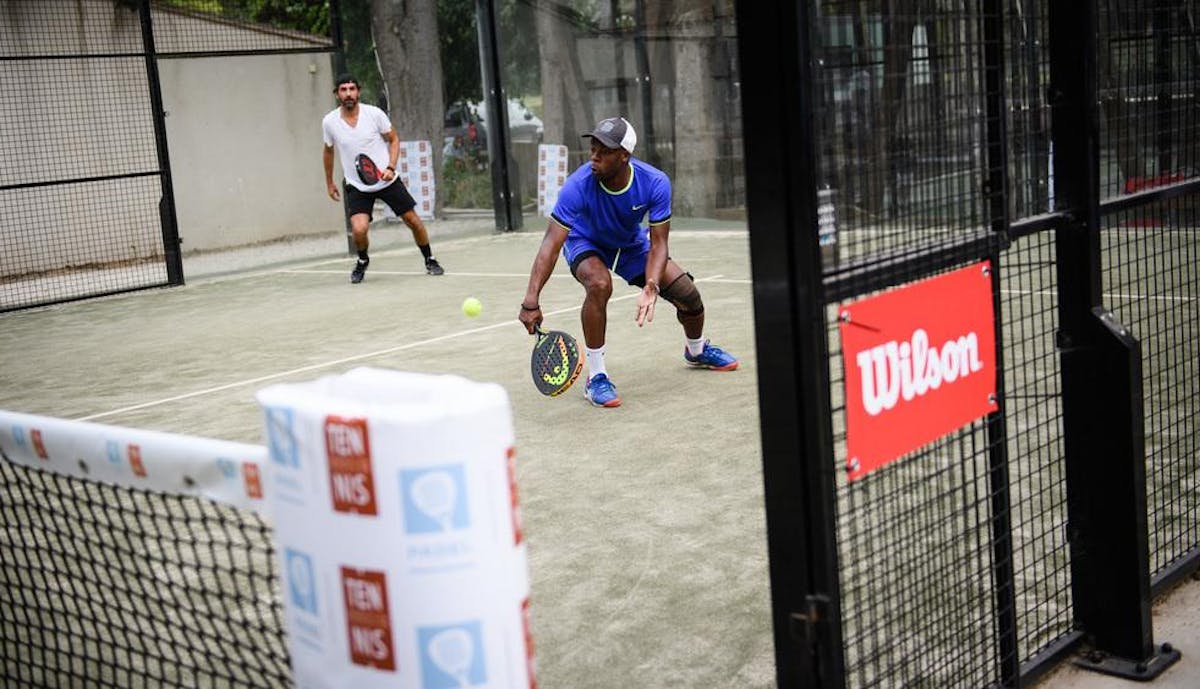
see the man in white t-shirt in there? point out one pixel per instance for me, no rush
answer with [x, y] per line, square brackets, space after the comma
[368, 147]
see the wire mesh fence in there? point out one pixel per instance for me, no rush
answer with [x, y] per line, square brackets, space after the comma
[86, 200]
[912, 149]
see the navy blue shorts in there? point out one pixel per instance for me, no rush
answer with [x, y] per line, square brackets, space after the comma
[395, 195]
[627, 261]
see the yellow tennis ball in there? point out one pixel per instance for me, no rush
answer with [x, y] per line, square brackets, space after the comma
[472, 307]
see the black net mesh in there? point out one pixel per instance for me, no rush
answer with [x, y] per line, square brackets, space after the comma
[85, 203]
[113, 587]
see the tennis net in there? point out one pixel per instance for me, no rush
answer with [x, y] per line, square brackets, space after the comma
[111, 585]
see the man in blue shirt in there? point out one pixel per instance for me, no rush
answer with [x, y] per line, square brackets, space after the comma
[596, 224]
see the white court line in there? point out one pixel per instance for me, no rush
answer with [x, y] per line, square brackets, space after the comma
[335, 362]
[454, 274]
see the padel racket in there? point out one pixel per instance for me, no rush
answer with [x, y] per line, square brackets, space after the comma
[368, 172]
[555, 362]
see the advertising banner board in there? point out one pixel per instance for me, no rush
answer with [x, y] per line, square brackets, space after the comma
[920, 362]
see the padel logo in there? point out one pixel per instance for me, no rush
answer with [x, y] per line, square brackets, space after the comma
[368, 623]
[350, 480]
[302, 582]
[112, 450]
[19, 437]
[436, 515]
[435, 499]
[452, 656]
[281, 437]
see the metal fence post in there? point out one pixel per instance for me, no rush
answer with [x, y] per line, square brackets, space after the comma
[781, 157]
[1103, 434]
[997, 193]
[166, 204]
[506, 182]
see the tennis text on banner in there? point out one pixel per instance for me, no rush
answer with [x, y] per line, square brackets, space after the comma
[349, 453]
[368, 624]
[919, 362]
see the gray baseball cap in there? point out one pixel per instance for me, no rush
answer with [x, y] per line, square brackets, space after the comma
[614, 132]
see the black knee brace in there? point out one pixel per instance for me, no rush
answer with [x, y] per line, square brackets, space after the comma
[683, 294]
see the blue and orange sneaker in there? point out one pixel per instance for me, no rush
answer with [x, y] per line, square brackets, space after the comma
[601, 392]
[712, 357]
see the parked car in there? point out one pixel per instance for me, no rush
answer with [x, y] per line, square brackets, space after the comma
[466, 124]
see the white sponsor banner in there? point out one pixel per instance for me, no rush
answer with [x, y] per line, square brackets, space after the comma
[218, 470]
[415, 168]
[398, 531]
[552, 174]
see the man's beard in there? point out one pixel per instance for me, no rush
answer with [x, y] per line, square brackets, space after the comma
[349, 103]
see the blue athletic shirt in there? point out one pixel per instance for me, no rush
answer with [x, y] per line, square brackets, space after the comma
[612, 218]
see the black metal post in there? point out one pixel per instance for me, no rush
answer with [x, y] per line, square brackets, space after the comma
[507, 205]
[778, 110]
[997, 193]
[1103, 422]
[166, 204]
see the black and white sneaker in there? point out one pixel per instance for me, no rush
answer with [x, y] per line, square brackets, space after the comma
[360, 269]
[433, 267]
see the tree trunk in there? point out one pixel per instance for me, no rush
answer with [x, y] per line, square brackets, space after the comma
[405, 33]
[696, 133]
[566, 109]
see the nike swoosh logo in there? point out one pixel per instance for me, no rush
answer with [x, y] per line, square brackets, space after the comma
[638, 208]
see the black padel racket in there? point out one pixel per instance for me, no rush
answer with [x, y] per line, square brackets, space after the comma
[555, 362]
[368, 172]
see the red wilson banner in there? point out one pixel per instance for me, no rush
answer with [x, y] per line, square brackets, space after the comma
[920, 362]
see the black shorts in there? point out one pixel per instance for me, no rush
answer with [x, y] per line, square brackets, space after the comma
[395, 195]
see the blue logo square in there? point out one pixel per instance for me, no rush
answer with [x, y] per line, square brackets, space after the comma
[281, 438]
[112, 449]
[452, 656]
[435, 499]
[302, 581]
[18, 434]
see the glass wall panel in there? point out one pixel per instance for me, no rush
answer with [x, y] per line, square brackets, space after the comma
[667, 66]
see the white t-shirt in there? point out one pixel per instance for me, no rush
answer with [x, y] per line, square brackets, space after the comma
[365, 137]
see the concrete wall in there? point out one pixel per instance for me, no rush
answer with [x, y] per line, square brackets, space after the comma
[244, 136]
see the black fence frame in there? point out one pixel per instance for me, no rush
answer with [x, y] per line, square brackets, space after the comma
[151, 53]
[1111, 583]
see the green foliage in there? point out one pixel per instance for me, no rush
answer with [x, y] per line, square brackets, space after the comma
[309, 16]
[459, 46]
[358, 48]
[465, 183]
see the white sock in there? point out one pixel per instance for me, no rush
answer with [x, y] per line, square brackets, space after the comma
[595, 361]
[696, 346]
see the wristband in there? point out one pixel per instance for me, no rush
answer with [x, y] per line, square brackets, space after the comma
[391, 167]
[535, 307]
